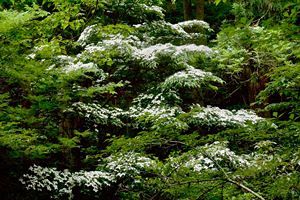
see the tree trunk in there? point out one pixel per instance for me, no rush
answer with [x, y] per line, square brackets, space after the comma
[187, 9]
[71, 157]
[200, 9]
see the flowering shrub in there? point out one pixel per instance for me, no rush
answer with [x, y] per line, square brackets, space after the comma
[127, 105]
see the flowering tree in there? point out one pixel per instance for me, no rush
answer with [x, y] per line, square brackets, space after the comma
[114, 102]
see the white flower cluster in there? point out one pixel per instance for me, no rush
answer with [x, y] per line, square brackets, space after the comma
[80, 66]
[154, 9]
[61, 183]
[70, 64]
[129, 164]
[123, 46]
[151, 56]
[212, 156]
[214, 116]
[264, 144]
[184, 30]
[99, 115]
[152, 114]
[150, 108]
[142, 51]
[86, 34]
[149, 100]
[133, 49]
[65, 60]
[193, 24]
[190, 78]
[218, 151]
[152, 52]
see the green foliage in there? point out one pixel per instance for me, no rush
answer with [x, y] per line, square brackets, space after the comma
[256, 46]
[267, 12]
[284, 89]
[134, 11]
[251, 54]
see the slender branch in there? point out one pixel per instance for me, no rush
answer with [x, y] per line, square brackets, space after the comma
[173, 141]
[197, 181]
[256, 23]
[234, 91]
[155, 195]
[245, 188]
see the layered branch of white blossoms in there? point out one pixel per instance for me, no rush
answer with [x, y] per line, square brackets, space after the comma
[216, 156]
[87, 33]
[132, 49]
[149, 108]
[151, 56]
[153, 113]
[163, 31]
[124, 46]
[217, 117]
[80, 66]
[98, 114]
[69, 64]
[194, 27]
[61, 183]
[130, 164]
[146, 108]
[190, 78]
[190, 24]
[142, 50]
[144, 100]
[154, 9]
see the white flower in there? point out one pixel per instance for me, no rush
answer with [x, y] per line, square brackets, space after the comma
[156, 9]
[79, 65]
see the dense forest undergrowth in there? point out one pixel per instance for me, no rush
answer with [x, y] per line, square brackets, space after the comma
[149, 99]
